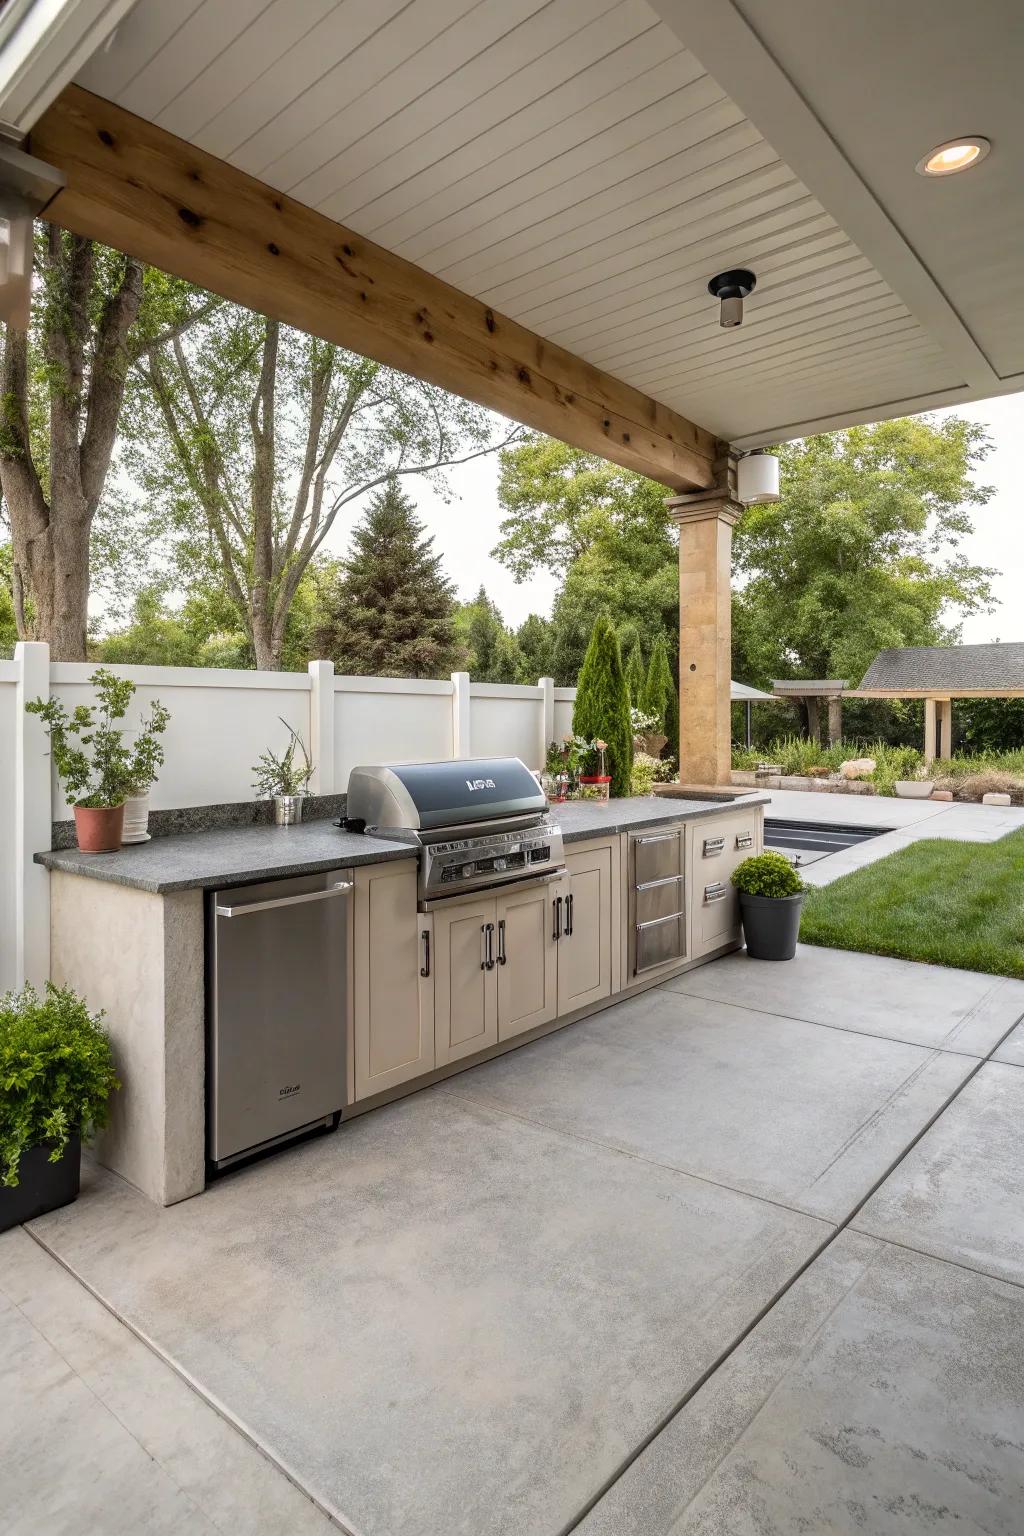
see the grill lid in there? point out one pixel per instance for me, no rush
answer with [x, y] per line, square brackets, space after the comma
[425, 796]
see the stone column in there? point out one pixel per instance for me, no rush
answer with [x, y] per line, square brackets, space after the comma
[929, 730]
[835, 721]
[705, 522]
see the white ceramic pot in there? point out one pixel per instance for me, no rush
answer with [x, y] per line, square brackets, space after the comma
[136, 819]
[914, 789]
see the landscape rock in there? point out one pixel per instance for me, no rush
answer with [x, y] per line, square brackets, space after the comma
[857, 767]
[941, 794]
[994, 797]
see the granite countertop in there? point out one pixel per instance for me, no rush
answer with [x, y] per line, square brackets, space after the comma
[233, 856]
[239, 855]
[580, 819]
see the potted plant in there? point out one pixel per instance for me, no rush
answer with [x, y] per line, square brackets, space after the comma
[56, 1078]
[771, 896]
[595, 784]
[97, 769]
[284, 779]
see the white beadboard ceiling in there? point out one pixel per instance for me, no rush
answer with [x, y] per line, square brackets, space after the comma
[575, 164]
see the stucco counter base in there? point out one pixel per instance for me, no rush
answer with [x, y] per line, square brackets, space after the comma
[139, 957]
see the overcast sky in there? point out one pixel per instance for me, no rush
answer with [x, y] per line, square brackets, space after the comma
[466, 529]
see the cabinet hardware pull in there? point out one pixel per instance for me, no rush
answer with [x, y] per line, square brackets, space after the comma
[286, 901]
[717, 892]
[655, 922]
[489, 942]
[556, 909]
[660, 837]
[650, 885]
[568, 915]
[713, 845]
[744, 839]
[425, 937]
[502, 958]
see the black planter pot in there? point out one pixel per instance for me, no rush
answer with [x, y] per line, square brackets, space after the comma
[42, 1186]
[771, 925]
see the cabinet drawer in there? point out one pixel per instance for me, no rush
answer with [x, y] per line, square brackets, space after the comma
[660, 898]
[659, 941]
[657, 856]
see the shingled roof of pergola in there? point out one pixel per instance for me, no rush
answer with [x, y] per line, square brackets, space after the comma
[946, 671]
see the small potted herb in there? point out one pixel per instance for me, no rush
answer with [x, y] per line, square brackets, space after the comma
[97, 769]
[771, 896]
[284, 779]
[56, 1078]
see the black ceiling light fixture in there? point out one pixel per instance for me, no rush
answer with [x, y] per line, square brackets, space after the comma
[731, 288]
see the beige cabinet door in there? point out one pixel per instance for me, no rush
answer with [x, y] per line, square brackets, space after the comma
[585, 948]
[465, 983]
[392, 1036]
[718, 845]
[527, 959]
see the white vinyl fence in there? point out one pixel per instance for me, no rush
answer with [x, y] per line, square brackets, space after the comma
[220, 722]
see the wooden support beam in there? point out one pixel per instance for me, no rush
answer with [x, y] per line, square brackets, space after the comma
[144, 191]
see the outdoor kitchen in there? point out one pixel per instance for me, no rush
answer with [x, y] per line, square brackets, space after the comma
[270, 982]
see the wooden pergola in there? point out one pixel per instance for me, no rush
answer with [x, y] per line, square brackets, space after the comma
[938, 675]
[525, 205]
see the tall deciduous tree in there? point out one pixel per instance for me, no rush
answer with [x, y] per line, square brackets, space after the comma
[252, 438]
[862, 552]
[601, 710]
[392, 613]
[95, 311]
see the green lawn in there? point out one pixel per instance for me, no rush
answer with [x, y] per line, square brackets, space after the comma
[947, 903]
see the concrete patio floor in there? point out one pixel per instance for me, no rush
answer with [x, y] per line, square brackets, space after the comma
[743, 1256]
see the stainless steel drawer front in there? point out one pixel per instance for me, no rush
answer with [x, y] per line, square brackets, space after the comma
[713, 846]
[660, 941]
[656, 856]
[657, 899]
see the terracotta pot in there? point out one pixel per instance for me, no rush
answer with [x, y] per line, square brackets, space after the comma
[98, 827]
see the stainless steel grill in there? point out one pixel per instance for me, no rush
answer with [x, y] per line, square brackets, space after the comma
[477, 822]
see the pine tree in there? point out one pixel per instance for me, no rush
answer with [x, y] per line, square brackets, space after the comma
[480, 625]
[507, 662]
[601, 711]
[634, 670]
[658, 690]
[392, 612]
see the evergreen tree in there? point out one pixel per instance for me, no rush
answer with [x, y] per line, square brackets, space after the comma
[601, 711]
[535, 636]
[634, 670]
[507, 662]
[480, 627]
[658, 690]
[392, 612]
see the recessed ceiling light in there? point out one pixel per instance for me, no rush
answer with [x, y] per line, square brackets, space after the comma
[955, 155]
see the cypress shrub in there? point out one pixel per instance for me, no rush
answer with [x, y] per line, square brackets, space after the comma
[601, 711]
[634, 674]
[658, 689]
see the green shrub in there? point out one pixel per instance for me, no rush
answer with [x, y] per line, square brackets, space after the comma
[601, 711]
[56, 1074]
[767, 874]
[658, 690]
[89, 753]
[633, 667]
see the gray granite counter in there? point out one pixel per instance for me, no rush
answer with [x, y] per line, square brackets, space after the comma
[231, 856]
[237, 855]
[580, 819]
